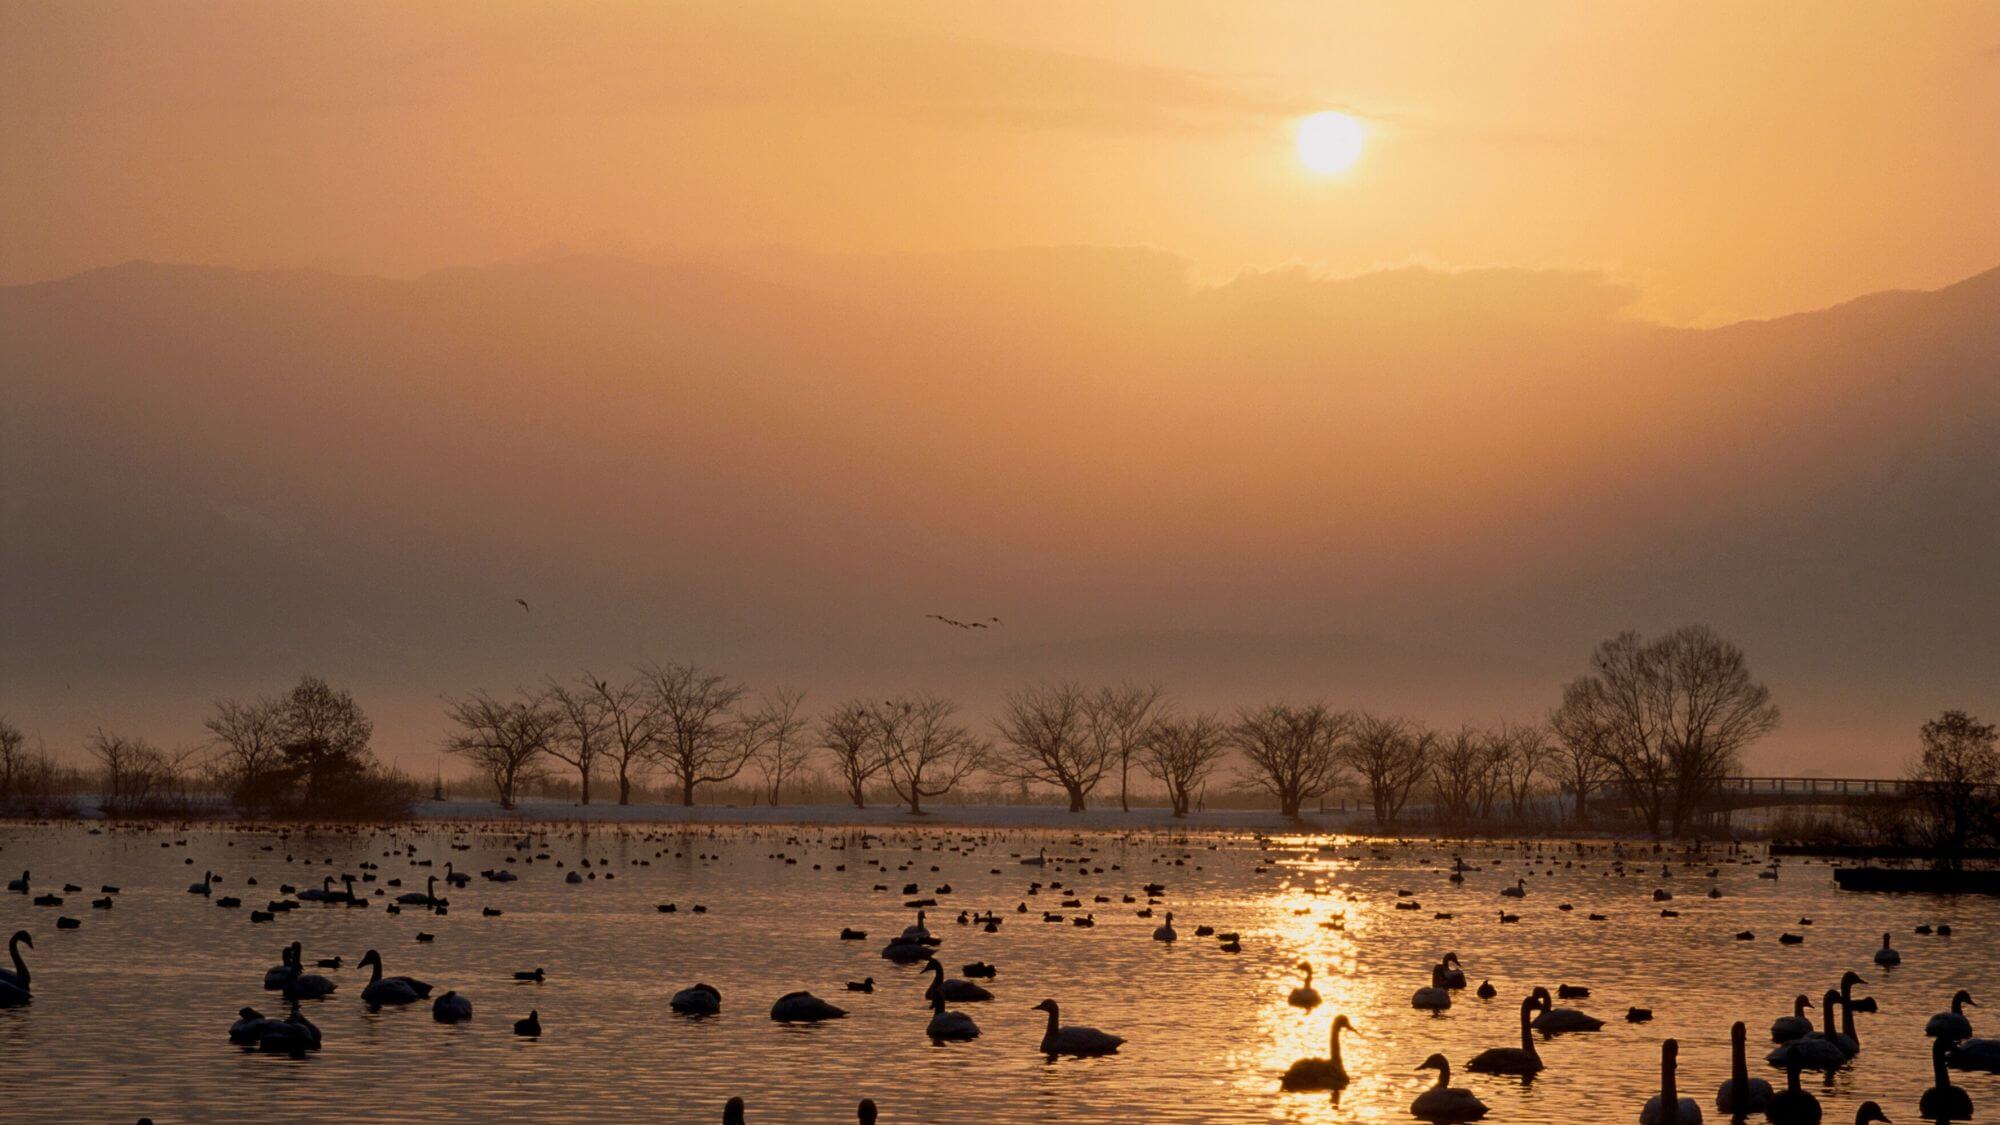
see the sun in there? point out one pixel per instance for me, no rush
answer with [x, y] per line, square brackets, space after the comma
[1330, 142]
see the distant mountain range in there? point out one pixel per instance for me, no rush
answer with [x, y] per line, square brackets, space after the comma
[1417, 490]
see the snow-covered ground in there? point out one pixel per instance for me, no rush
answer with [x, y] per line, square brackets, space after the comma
[970, 816]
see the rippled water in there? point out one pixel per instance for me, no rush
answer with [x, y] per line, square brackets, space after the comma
[131, 1011]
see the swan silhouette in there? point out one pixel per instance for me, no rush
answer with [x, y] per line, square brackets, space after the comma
[1445, 1102]
[383, 990]
[1329, 1073]
[451, 1008]
[1081, 1042]
[1792, 1105]
[14, 986]
[1667, 1107]
[1887, 957]
[1741, 1094]
[1165, 931]
[955, 990]
[697, 1000]
[1522, 1060]
[1943, 1101]
[1435, 998]
[949, 1025]
[1556, 1021]
[1817, 1051]
[1305, 996]
[1952, 1025]
[1784, 1029]
[804, 1007]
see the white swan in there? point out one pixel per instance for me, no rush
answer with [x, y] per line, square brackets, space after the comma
[1887, 957]
[1445, 1102]
[1522, 1060]
[804, 1007]
[1436, 998]
[1329, 1073]
[1741, 1094]
[451, 1008]
[945, 1025]
[1305, 996]
[1165, 931]
[1081, 1042]
[1667, 1107]
[697, 1000]
[1952, 1025]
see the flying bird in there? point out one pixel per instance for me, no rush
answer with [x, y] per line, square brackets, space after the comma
[523, 603]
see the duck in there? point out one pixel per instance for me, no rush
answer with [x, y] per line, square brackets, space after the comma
[867, 985]
[1952, 1025]
[1792, 1105]
[1784, 1029]
[697, 1000]
[451, 1008]
[1329, 1073]
[1556, 1021]
[1522, 1060]
[1445, 1102]
[1305, 996]
[383, 990]
[955, 990]
[205, 887]
[1165, 931]
[1943, 1101]
[536, 975]
[1741, 1094]
[804, 1007]
[949, 1026]
[980, 970]
[1076, 1041]
[531, 1027]
[1887, 957]
[1486, 991]
[1667, 1107]
[864, 1113]
[1435, 998]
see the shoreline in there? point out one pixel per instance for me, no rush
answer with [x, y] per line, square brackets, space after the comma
[1037, 817]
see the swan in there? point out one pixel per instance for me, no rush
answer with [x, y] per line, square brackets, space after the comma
[1977, 1054]
[864, 1113]
[1818, 1051]
[1867, 1112]
[906, 952]
[202, 888]
[249, 1027]
[1328, 1073]
[955, 990]
[530, 1027]
[299, 984]
[294, 1035]
[1436, 998]
[322, 893]
[697, 1000]
[1792, 1105]
[1667, 1107]
[1445, 1102]
[426, 897]
[1952, 1025]
[18, 977]
[1887, 957]
[1555, 1021]
[1165, 931]
[1522, 1060]
[451, 1008]
[1784, 1029]
[1943, 1101]
[804, 1007]
[1305, 996]
[1741, 1094]
[1847, 1038]
[1518, 890]
[1454, 976]
[732, 1112]
[454, 878]
[389, 990]
[1082, 1042]
[919, 933]
[949, 1025]
[19, 886]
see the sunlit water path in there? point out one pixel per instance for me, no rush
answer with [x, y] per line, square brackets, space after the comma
[131, 1011]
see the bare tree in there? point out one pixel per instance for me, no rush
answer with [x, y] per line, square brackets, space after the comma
[1393, 758]
[782, 750]
[134, 772]
[1119, 721]
[1577, 760]
[503, 739]
[700, 739]
[1182, 753]
[13, 758]
[849, 732]
[1527, 755]
[1047, 735]
[631, 727]
[250, 741]
[1954, 778]
[583, 728]
[1292, 750]
[925, 752]
[1456, 765]
[1670, 717]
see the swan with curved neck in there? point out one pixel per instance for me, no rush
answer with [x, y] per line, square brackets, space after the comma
[1742, 1093]
[14, 991]
[1792, 1105]
[1305, 996]
[1784, 1029]
[1081, 1042]
[1952, 1025]
[1329, 1073]
[945, 1025]
[1435, 998]
[1943, 1101]
[1445, 1102]
[1523, 1060]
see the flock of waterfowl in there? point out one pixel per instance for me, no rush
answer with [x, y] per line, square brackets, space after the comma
[1800, 1046]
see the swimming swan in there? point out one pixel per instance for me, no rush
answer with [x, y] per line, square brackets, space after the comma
[1305, 996]
[1436, 998]
[1329, 1073]
[1522, 1060]
[389, 990]
[949, 1025]
[1445, 1102]
[1667, 1107]
[1741, 1094]
[804, 1007]
[1784, 1029]
[1952, 1025]
[1081, 1042]
[697, 1000]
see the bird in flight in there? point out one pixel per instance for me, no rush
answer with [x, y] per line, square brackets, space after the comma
[523, 603]
[957, 624]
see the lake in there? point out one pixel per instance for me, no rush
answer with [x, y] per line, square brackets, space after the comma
[131, 1011]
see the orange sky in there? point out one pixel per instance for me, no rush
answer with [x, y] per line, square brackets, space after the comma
[1728, 160]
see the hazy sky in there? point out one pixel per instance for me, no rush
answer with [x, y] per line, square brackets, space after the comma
[1726, 159]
